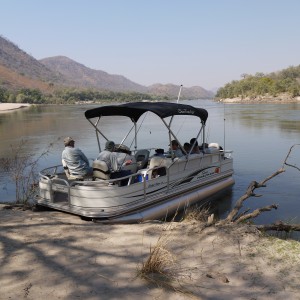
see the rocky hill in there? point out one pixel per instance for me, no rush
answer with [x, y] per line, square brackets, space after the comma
[79, 75]
[20, 70]
[172, 90]
[12, 80]
[18, 61]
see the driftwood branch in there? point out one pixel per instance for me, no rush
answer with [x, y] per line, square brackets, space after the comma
[255, 213]
[235, 217]
[285, 161]
[279, 226]
[241, 214]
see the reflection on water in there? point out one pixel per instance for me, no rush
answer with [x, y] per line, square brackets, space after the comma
[284, 117]
[259, 134]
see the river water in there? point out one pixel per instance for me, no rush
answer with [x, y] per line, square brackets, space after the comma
[260, 136]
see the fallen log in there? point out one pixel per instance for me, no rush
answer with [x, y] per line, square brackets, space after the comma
[279, 226]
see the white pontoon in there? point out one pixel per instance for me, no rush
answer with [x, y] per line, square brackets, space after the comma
[156, 187]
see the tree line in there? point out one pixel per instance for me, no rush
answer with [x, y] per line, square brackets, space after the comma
[71, 96]
[260, 84]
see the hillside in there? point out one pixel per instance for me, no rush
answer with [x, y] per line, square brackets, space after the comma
[13, 81]
[81, 76]
[19, 70]
[172, 90]
[283, 85]
[18, 61]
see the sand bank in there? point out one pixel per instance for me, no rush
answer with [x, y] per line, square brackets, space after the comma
[53, 255]
[7, 107]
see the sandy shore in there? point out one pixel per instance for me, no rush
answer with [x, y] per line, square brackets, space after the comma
[281, 99]
[7, 107]
[53, 255]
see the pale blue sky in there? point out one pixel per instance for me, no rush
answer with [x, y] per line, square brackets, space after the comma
[191, 42]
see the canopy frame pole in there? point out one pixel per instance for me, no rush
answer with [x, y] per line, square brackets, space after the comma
[126, 135]
[135, 136]
[173, 134]
[98, 131]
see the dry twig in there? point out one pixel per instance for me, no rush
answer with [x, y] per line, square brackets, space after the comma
[234, 215]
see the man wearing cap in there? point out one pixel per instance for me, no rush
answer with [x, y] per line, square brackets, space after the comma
[109, 157]
[74, 161]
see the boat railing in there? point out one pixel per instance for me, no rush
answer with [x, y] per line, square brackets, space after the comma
[143, 176]
[169, 184]
[61, 185]
[105, 182]
[51, 171]
[227, 153]
[57, 183]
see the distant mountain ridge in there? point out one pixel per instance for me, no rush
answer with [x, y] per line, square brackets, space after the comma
[20, 70]
[172, 90]
[78, 75]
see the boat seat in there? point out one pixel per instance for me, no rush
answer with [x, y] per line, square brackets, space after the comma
[214, 145]
[100, 170]
[212, 148]
[142, 157]
[161, 163]
[131, 167]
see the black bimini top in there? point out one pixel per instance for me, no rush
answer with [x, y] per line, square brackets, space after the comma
[134, 110]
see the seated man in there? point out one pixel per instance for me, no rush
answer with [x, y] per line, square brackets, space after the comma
[124, 157]
[75, 163]
[109, 156]
[175, 150]
[194, 146]
[126, 163]
[187, 147]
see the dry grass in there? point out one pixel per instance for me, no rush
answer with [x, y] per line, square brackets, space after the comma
[196, 213]
[22, 168]
[160, 260]
[161, 266]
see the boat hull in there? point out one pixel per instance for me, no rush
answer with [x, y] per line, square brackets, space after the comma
[138, 202]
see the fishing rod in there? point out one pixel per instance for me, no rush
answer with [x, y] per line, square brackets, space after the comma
[170, 139]
[179, 93]
[224, 112]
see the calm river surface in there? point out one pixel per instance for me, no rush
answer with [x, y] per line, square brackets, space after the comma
[260, 136]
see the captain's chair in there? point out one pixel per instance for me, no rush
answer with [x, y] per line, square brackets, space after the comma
[142, 157]
[100, 170]
[158, 166]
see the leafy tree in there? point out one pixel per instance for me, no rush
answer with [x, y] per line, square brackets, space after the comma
[285, 81]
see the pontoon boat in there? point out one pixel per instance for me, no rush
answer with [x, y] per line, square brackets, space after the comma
[157, 185]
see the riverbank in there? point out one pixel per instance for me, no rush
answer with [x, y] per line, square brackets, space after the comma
[7, 107]
[282, 98]
[49, 254]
